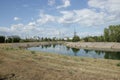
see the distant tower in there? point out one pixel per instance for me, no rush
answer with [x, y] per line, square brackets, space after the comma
[74, 31]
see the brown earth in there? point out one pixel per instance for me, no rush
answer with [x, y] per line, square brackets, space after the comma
[21, 64]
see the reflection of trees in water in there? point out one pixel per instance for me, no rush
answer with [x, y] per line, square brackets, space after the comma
[112, 55]
[54, 45]
[45, 46]
[42, 46]
[87, 50]
[75, 50]
[99, 52]
[68, 48]
[96, 51]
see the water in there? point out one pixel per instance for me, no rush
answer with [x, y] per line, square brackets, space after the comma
[61, 49]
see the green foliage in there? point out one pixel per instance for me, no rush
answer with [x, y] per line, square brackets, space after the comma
[106, 34]
[112, 33]
[2, 39]
[33, 52]
[76, 39]
[93, 39]
[68, 39]
[13, 39]
[118, 64]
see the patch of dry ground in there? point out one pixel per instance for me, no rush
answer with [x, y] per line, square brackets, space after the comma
[20, 64]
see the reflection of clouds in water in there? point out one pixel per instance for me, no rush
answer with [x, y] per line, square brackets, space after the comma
[61, 49]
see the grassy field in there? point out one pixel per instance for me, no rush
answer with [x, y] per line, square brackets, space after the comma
[21, 64]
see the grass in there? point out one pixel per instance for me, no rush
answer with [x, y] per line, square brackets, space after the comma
[31, 65]
[33, 52]
[118, 64]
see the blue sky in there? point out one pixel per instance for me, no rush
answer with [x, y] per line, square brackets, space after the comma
[57, 18]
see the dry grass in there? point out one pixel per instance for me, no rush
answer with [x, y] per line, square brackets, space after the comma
[20, 64]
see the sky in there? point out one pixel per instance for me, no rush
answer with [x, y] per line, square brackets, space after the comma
[57, 18]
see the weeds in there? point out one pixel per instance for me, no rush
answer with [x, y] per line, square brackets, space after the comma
[71, 72]
[33, 52]
[9, 48]
[1, 62]
[82, 59]
[118, 64]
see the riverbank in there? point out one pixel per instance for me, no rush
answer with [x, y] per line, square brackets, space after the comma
[105, 46]
[20, 64]
[34, 44]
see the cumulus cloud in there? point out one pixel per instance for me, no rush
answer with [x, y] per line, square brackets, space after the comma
[31, 29]
[100, 12]
[44, 18]
[111, 6]
[51, 2]
[85, 17]
[16, 18]
[66, 3]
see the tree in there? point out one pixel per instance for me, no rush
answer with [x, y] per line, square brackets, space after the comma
[12, 39]
[106, 34]
[76, 38]
[2, 39]
[112, 33]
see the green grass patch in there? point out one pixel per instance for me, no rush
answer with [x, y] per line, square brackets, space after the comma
[33, 52]
[118, 64]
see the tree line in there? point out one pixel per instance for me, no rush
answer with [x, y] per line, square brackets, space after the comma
[111, 34]
[16, 39]
[9, 39]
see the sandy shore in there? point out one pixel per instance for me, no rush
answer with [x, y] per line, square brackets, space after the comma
[107, 46]
[34, 44]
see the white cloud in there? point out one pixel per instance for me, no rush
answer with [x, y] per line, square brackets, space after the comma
[66, 3]
[97, 3]
[16, 18]
[32, 24]
[111, 6]
[51, 2]
[99, 13]
[67, 17]
[84, 17]
[44, 18]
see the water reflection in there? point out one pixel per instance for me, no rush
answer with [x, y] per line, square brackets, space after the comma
[75, 51]
[112, 55]
[86, 51]
[61, 49]
[54, 45]
[68, 48]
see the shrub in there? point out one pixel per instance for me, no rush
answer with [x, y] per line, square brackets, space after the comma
[118, 64]
[76, 39]
[33, 52]
[2, 39]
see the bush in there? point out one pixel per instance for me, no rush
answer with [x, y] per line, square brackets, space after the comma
[118, 64]
[33, 52]
[2, 39]
[76, 38]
